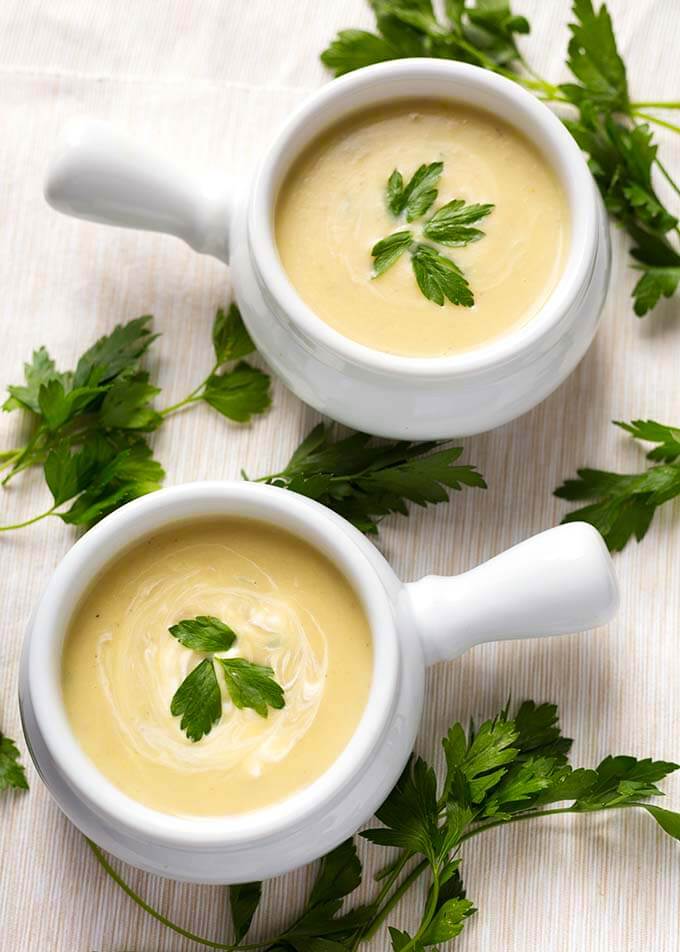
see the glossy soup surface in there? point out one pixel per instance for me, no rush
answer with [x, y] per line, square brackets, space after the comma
[290, 608]
[331, 210]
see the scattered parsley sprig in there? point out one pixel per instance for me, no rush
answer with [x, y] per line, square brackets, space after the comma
[198, 699]
[612, 129]
[623, 505]
[507, 771]
[438, 277]
[12, 774]
[90, 424]
[364, 482]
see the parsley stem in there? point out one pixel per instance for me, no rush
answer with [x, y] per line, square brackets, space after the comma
[555, 811]
[667, 175]
[655, 105]
[129, 891]
[29, 522]
[395, 898]
[659, 122]
[394, 869]
[192, 397]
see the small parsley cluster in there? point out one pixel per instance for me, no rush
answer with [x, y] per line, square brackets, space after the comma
[12, 774]
[90, 425]
[198, 699]
[364, 481]
[438, 277]
[509, 770]
[623, 505]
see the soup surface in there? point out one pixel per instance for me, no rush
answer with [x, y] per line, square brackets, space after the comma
[332, 209]
[290, 608]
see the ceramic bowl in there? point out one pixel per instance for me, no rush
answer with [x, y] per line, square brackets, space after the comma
[100, 174]
[559, 581]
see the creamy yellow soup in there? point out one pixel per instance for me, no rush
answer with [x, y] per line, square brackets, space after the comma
[290, 608]
[332, 209]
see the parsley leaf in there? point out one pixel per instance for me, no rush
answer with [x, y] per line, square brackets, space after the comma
[364, 482]
[448, 922]
[667, 438]
[198, 701]
[353, 49]
[619, 780]
[115, 352]
[203, 633]
[439, 278]
[252, 685]
[388, 250]
[127, 404]
[230, 338]
[12, 774]
[240, 393]
[410, 812]
[451, 224]
[624, 504]
[244, 898]
[595, 60]
[40, 372]
[417, 195]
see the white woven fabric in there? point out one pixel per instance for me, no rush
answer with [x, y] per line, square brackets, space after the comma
[210, 81]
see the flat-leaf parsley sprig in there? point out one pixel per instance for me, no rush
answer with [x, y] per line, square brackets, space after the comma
[90, 425]
[606, 123]
[438, 277]
[198, 699]
[509, 770]
[622, 505]
[365, 481]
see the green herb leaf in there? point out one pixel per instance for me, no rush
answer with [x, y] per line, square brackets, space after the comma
[448, 922]
[410, 813]
[364, 482]
[668, 438]
[418, 194]
[475, 766]
[57, 405]
[244, 898]
[239, 393]
[198, 701]
[451, 224]
[439, 278]
[126, 405]
[40, 372]
[595, 60]
[624, 780]
[252, 685]
[12, 774]
[339, 874]
[115, 352]
[388, 250]
[203, 633]
[352, 49]
[231, 340]
[667, 820]
[625, 504]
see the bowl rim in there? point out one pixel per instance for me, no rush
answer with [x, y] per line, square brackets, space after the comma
[106, 541]
[330, 102]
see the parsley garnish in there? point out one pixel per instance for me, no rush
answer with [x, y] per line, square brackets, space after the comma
[624, 504]
[438, 277]
[198, 699]
[364, 482]
[89, 422]
[12, 774]
[509, 770]
[612, 129]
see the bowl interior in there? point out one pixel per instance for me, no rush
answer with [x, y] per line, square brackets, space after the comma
[105, 542]
[441, 81]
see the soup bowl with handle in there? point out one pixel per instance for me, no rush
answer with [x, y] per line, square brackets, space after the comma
[98, 173]
[557, 582]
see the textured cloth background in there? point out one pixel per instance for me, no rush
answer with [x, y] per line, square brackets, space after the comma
[210, 82]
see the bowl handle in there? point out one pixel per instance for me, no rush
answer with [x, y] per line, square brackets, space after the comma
[557, 582]
[101, 174]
